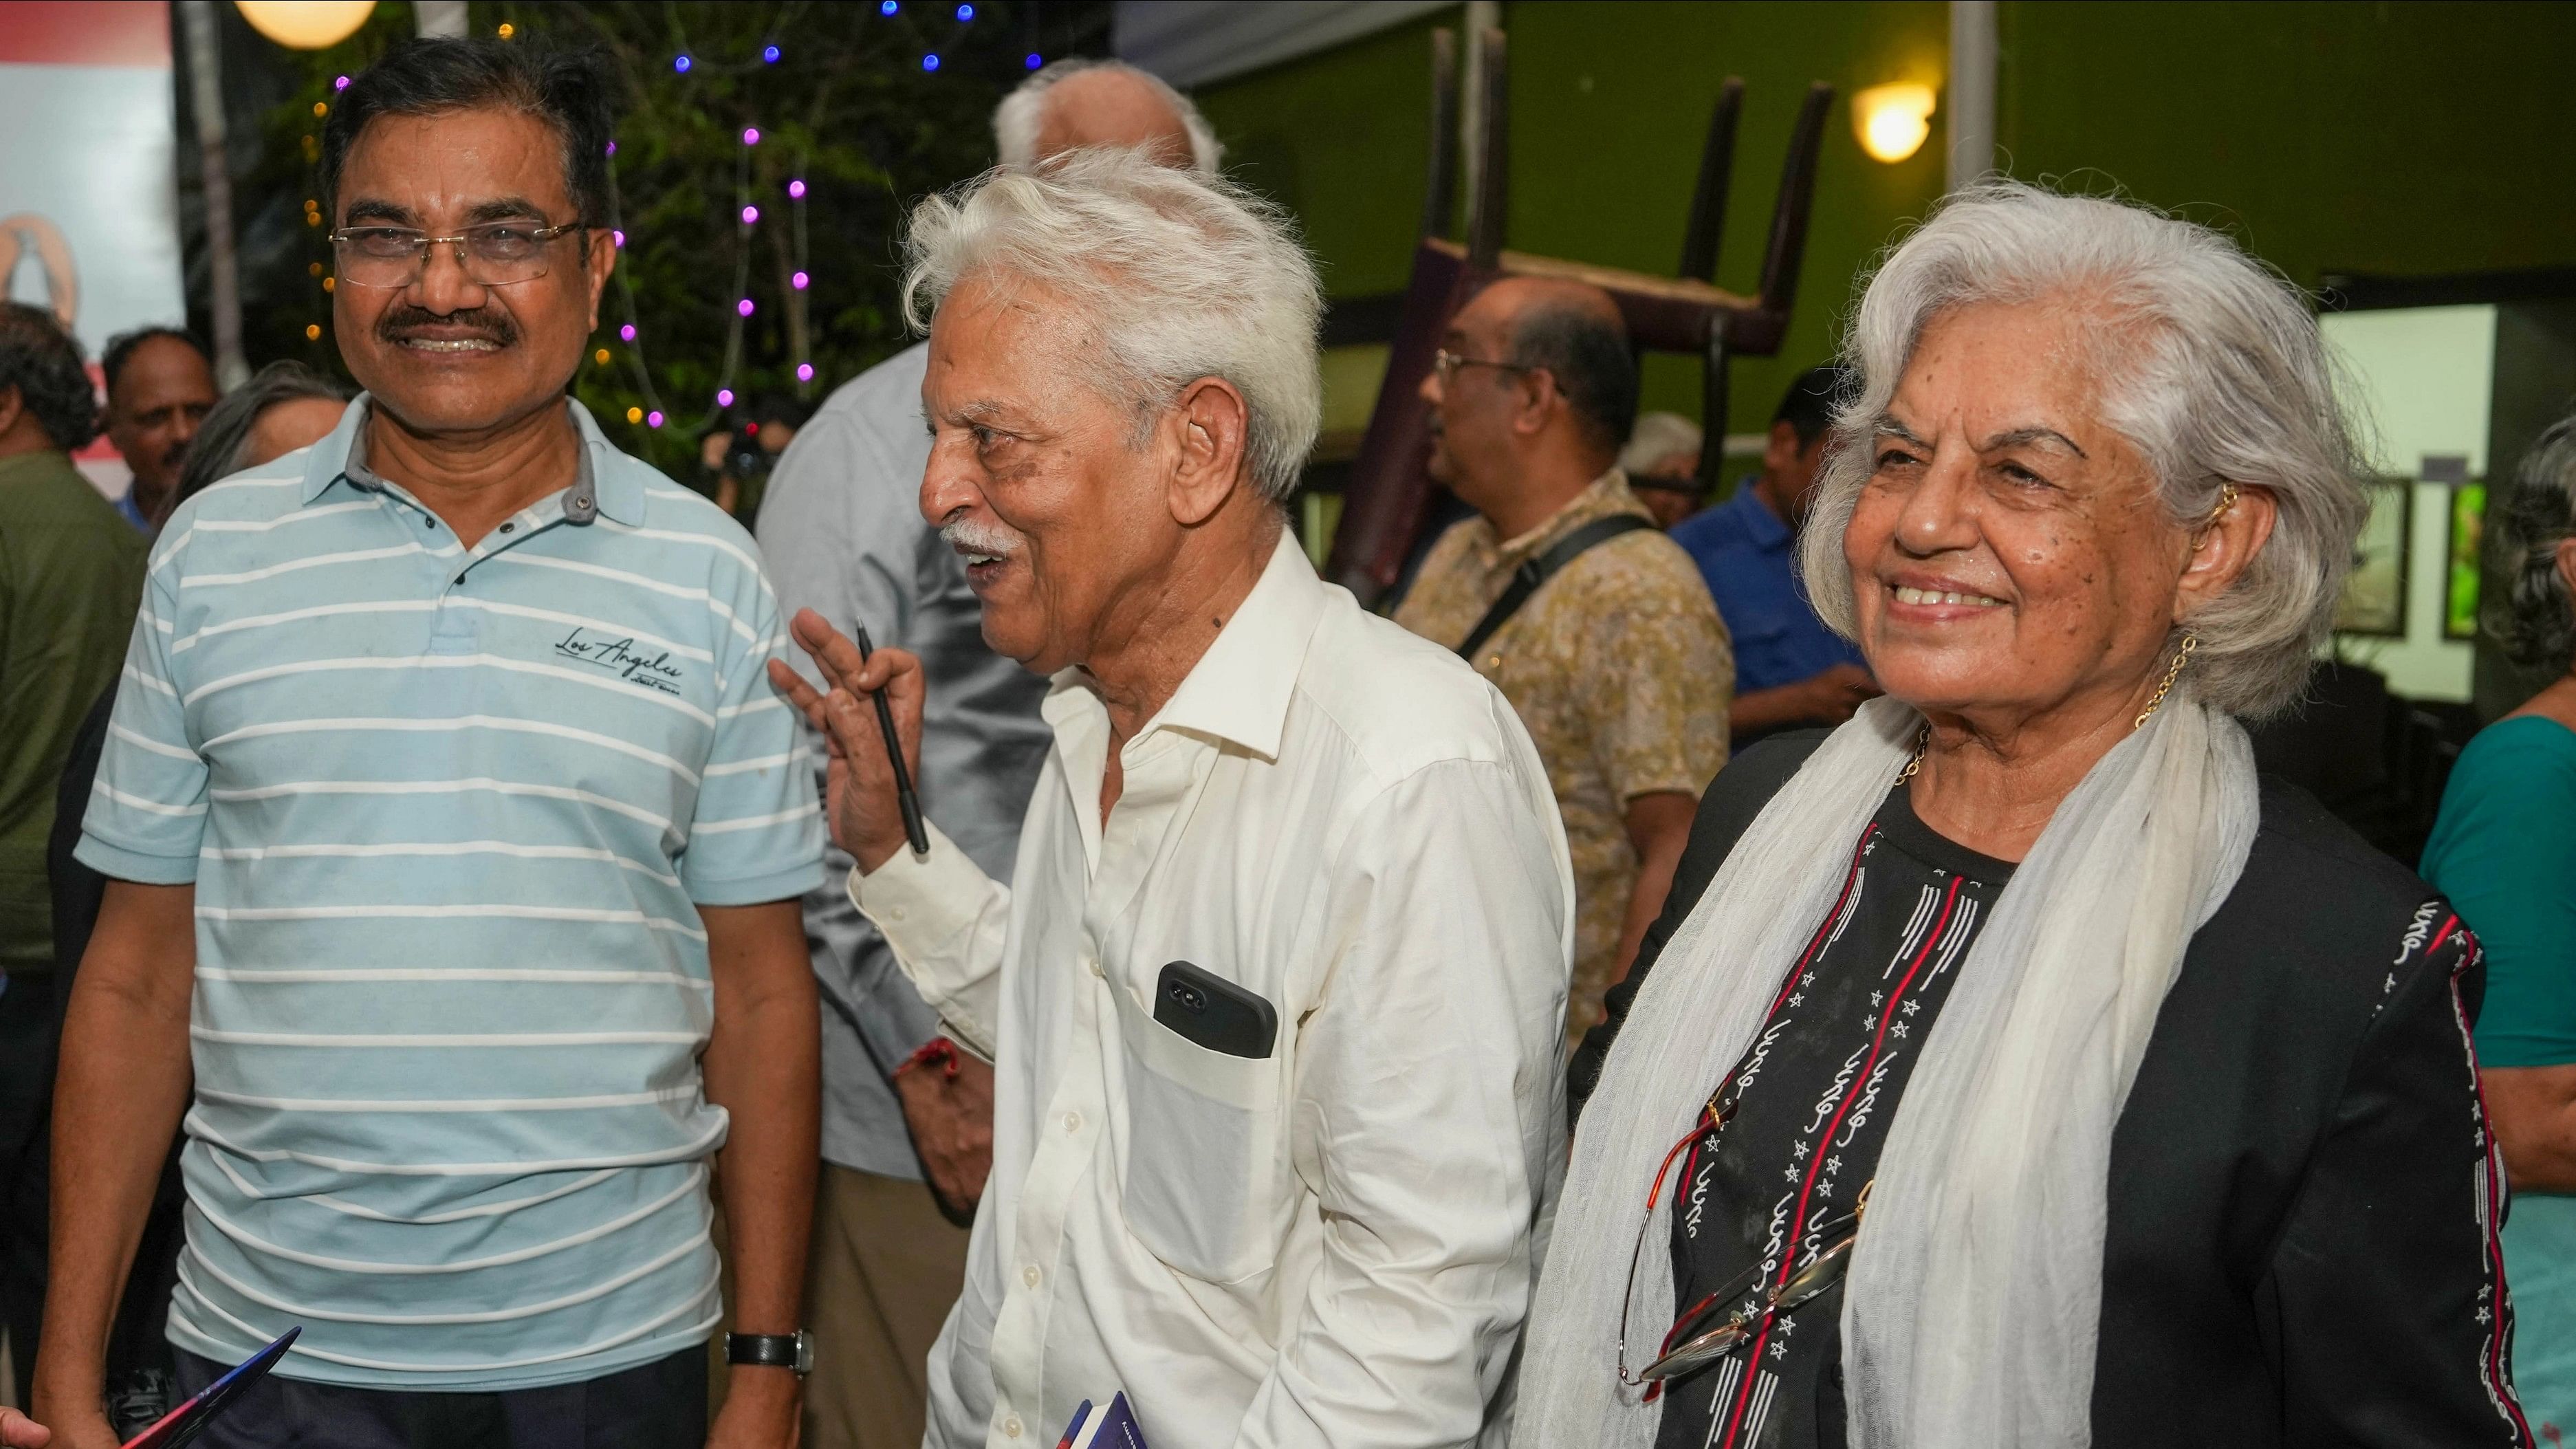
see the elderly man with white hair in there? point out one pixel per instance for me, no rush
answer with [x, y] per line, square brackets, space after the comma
[904, 1116]
[1275, 995]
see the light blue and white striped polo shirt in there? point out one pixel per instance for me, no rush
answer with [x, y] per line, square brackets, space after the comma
[450, 814]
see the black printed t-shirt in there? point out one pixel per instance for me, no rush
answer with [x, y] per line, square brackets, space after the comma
[2301, 1247]
[1816, 1094]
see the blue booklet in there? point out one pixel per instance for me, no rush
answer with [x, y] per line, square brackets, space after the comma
[1111, 1428]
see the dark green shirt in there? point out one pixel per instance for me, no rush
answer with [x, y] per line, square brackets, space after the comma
[71, 574]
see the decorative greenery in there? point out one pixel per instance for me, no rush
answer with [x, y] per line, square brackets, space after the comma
[852, 106]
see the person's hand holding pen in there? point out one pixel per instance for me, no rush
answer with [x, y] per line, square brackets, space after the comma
[862, 802]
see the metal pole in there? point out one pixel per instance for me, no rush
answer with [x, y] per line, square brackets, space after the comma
[1482, 15]
[1973, 48]
[206, 98]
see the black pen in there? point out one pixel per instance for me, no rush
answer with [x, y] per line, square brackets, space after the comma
[913, 829]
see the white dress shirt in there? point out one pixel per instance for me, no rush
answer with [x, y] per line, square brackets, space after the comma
[1335, 1245]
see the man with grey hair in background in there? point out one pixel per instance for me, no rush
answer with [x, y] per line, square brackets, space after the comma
[1275, 998]
[843, 534]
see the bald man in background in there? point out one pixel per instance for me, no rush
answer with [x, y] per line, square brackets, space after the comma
[907, 1115]
[1617, 662]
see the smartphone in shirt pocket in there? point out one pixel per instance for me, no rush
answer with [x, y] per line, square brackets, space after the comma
[1206, 1174]
[1214, 1012]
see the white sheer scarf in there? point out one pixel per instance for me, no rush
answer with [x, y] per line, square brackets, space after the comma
[1973, 1302]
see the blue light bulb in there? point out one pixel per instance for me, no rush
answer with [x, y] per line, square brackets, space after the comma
[1035, 60]
[930, 62]
[770, 55]
[680, 64]
[965, 12]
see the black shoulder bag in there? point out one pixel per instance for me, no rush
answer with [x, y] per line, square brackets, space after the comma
[1529, 576]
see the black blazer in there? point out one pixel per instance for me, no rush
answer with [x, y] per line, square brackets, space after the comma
[2301, 1247]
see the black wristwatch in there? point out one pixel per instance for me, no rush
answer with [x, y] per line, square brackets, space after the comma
[772, 1350]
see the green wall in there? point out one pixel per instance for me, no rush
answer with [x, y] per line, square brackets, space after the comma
[2401, 138]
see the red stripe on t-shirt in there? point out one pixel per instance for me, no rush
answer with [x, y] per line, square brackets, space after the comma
[2494, 1373]
[1797, 1219]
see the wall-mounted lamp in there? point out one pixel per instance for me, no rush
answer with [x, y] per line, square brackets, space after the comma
[306, 24]
[1892, 120]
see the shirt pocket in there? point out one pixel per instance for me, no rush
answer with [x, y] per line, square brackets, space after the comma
[1205, 1176]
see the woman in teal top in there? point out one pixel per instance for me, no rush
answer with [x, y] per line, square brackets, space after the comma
[2504, 851]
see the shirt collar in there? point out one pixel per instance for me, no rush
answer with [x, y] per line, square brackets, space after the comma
[1603, 497]
[1762, 526]
[606, 483]
[1239, 690]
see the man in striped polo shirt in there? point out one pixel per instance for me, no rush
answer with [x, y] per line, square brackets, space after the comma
[445, 775]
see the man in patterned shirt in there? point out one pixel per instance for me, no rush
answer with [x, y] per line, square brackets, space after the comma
[1618, 664]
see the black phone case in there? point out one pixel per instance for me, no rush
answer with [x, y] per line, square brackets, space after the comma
[1214, 1012]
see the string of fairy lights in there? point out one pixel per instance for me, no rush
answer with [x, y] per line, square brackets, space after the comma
[654, 413]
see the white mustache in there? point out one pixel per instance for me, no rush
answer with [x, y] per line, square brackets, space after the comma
[967, 535]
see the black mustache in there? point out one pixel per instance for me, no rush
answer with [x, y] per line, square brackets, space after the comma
[400, 322]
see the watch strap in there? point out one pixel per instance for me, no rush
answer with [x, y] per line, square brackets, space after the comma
[771, 1350]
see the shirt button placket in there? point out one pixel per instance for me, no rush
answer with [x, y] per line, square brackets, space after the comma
[452, 628]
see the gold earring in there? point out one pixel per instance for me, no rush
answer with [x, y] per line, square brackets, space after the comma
[2226, 501]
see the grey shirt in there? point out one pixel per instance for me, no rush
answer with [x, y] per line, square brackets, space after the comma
[842, 530]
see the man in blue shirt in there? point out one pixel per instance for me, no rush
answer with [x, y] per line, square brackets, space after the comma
[1790, 669]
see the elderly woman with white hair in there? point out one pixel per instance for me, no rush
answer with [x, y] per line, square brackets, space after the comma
[2011, 1066]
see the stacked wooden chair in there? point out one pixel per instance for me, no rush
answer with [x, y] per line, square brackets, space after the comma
[1387, 502]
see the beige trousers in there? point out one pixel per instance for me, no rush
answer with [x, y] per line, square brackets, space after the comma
[883, 1272]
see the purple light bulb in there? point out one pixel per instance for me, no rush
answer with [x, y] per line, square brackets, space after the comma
[751, 135]
[797, 281]
[724, 397]
[804, 372]
[627, 332]
[750, 214]
[743, 307]
[796, 189]
[653, 419]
